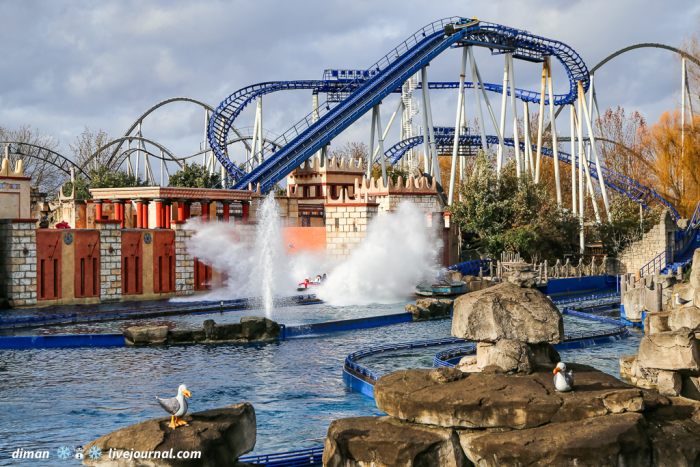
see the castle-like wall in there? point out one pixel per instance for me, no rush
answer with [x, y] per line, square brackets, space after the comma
[346, 227]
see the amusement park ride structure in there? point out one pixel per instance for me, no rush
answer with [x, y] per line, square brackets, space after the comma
[350, 94]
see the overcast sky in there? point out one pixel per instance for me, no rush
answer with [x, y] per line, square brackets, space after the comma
[68, 64]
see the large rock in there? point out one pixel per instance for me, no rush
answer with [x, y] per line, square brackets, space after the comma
[656, 322]
[221, 435]
[509, 355]
[695, 272]
[453, 277]
[146, 335]
[386, 442]
[507, 312]
[686, 317]
[690, 387]
[496, 400]
[626, 366]
[674, 350]
[438, 308]
[632, 301]
[526, 279]
[669, 383]
[613, 440]
[250, 329]
[686, 292]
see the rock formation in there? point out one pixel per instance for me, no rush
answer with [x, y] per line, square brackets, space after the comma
[430, 308]
[220, 435]
[249, 329]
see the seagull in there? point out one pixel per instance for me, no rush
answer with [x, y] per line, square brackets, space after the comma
[176, 406]
[680, 301]
[563, 382]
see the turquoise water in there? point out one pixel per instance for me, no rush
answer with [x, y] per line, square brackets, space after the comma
[70, 396]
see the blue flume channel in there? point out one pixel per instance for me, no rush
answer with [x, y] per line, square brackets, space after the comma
[71, 396]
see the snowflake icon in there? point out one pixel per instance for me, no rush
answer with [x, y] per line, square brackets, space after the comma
[63, 452]
[95, 452]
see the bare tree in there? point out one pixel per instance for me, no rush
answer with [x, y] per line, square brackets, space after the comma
[352, 150]
[44, 175]
[88, 144]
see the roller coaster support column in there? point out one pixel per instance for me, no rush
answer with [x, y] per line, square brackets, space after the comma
[540, 123]
[435, 168]
[683, 84]
[206, 140]
[583, 160]
[513, 104]
[574, 181]
[382, 158]
[458, 125]
[502, 126]
[314, 105]
[475, 70]
[370, 160]
[129, 168]
[388, 127]
[138, 156]
[591, 135]
[529, 162]
[555, 150]
[482, 125]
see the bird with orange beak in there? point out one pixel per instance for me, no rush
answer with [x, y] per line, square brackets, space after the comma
[176, 406]
[563, 382]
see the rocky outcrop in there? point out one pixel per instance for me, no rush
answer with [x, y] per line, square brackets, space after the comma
[686, 317]
[220, 435]
[525, 279]
[494, 400]
[632, 301]
[146, 335]
[609, 441]
[454, 277]
[430, 308]
[695, 273]
[656, 322]
[626, 366]
[249, 329]
[509, 355]
[507, 312]
[669, 383]
[673, 350]
[386, 442]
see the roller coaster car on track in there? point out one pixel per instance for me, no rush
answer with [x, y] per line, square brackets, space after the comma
[464, 24]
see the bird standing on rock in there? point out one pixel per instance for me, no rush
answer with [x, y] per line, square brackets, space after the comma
[176, 406]
[681, 301]
[563, 382]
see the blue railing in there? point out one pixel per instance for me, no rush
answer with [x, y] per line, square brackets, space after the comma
[658, 263]
[307, 457]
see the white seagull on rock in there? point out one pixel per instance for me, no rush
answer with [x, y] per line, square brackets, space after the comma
[563, 382]
[681, 301]
[176, 406]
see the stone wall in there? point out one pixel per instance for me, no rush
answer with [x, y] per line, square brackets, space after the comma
[653, 243]
[184, 263]
[425, 203]
[110, 261]
[346, 227]
[18, 280]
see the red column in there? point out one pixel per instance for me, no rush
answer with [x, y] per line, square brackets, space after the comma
[159, 214]
[98, 210]
[180, 211]
[144, 215]
[205, 211]
[187, 211]
[245, 211]
[167, 216]
[139, 214]
[122, 211]
[226, 212]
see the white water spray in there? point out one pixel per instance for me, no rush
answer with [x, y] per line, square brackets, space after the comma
[269, 257]
[397, 254]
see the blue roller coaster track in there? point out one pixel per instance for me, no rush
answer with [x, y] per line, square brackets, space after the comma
[384, 77]
[637, 192]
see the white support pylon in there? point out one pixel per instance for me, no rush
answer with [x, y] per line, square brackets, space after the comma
[162, 169]
[513, 104]
[594, 151]
[426, 133]
[314, 105]
[529, 159]
[499, 134]
[540, 122]
[206, 124]
[574, 181]
[370, 160]
[129, 169]
[382, 159]
[583, 161]
[435, 168]
[555, 149]
[138, 156]
[388, 127]
[502, 125]
[261, 144]
[254, 148]
[458, 125]
[683, 88]
[477, 100]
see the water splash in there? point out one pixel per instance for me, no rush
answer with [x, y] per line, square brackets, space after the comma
[399, 252]
[269, 257]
